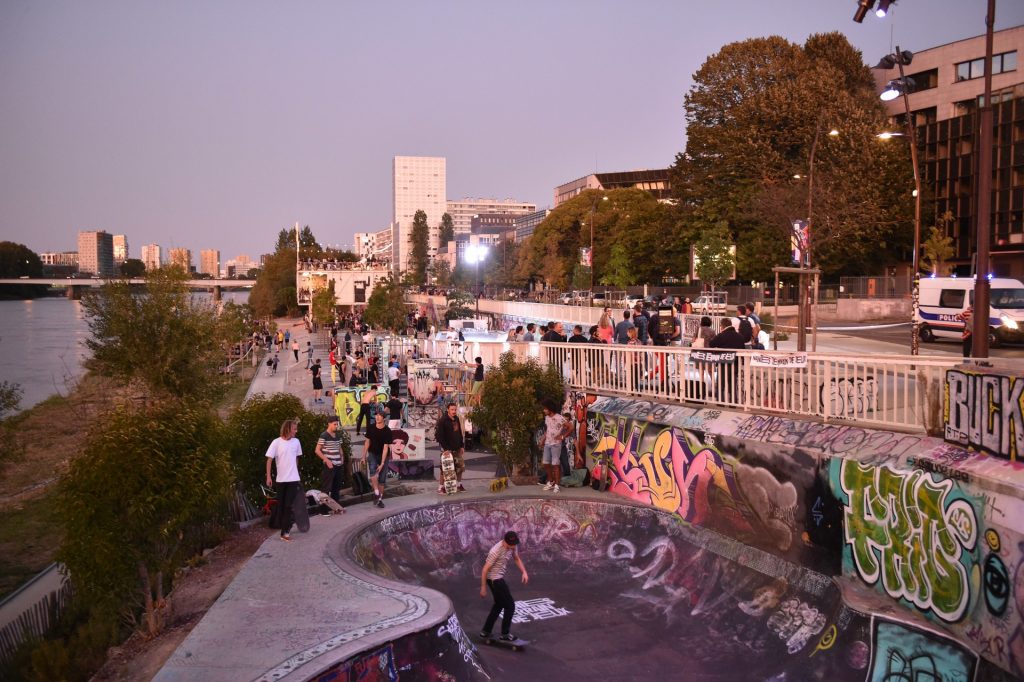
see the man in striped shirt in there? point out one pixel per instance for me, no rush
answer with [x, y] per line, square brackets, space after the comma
[328, 449]
[493, 576]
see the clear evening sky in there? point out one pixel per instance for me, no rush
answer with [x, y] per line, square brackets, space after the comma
[213, 124]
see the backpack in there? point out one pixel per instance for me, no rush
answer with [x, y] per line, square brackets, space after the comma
[746, 329]
[663, 327]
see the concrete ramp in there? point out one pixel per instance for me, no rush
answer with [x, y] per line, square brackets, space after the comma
[621, 591]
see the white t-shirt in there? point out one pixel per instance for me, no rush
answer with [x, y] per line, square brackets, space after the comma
[285, 453]
[393, 373]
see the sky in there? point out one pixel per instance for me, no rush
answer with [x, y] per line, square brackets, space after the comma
[216, 123]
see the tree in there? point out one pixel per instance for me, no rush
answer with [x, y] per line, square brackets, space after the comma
[418, 254]
[447, 229]
[441, 273]
[938, 247]
[459, 305]
[323, 304]
[135, 504]
[17, 260]
[758, 111]
[386, 308]
[10, 397]
[133, 267]
[159, 337]
[274, 293]
[715, 263]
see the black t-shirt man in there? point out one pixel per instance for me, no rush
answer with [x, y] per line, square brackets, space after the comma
[378, 437]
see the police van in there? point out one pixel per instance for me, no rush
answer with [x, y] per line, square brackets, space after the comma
[942, 299]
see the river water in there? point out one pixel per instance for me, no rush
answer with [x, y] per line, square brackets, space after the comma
[42, 344]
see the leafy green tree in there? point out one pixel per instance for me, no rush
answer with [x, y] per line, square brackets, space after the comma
[386, 308]
[618, 272]
[253, 425]
[133, 267]
[441, 273]
[17, 260]
[133, 506]
[937, 249]
[459, 305]
[447, 229]
[309, 247]
[420, 242]
[274, 293]
[510, 409]
[323, 305]
[715, 263]
[10, 397]
[759, 111]
[159, 337]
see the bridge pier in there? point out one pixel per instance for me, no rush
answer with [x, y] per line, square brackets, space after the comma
[74, 292]
[217, 293]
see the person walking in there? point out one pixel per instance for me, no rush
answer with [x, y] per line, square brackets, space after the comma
[366, 402]
[967, 317]
[328, 449]
[394, 407]
[318, 382]
[284, 452]
[556, 428]
[493, 576]
[309, 354]
[375, 451]
[295, 350]
[450, 438]
[394, 379]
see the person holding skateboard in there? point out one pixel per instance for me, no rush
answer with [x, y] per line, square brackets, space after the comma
[493, 576]
[449, 436]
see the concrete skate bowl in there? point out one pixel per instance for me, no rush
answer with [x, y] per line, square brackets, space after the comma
[619, 592]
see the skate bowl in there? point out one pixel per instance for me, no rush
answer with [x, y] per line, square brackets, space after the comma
[623, 591]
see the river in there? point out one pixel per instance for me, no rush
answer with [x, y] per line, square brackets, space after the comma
[42, 344]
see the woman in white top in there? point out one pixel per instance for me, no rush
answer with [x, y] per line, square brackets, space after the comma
[285, 451]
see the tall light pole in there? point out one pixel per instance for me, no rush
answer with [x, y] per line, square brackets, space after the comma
[804, 315]
[474, 254]
[901, 58]
[983, 202]
[593, 210]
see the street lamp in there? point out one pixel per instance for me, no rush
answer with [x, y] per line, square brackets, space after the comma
[895, 88]
[475, 253]
[593, 209]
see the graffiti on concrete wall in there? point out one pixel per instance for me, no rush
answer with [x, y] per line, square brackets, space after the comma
[909, 533]
[674, 470]
[901, 652]
[584, 425]
[829, 439]
[348, 398]
[985, 411]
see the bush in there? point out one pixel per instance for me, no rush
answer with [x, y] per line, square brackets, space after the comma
[252, 427]
[510, 411]
[151, 480]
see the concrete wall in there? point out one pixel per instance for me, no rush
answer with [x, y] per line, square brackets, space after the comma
[925, 528]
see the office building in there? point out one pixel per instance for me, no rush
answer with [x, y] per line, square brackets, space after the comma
[944, 99]
[526, 224]
[654, 181]
[152, 257]
[96, 253]
[417, 183]
[463, 210]
[120, 249]
[375, 245]
[182, 258]
[501, 224]
[209, 262]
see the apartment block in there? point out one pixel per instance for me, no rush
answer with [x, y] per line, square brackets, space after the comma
[96, 253]
[182, 258]
[120, 248]
[152, 257]
[417, 183]
[209, 262]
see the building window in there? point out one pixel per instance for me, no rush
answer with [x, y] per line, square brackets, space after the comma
[925, 80]
[1001, 63]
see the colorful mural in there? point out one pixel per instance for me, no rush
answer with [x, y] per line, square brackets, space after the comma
[984, 409]
[348, 398]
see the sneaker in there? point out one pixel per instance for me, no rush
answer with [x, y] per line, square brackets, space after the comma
[485, 635]
[380, 502]
[555, 489]
[461, 488]
[286, 538]
[549, 486]
[440, 489]
[508, 638]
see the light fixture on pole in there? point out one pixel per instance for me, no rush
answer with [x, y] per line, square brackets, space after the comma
[883, 8]
[474, 254]
[897, 87]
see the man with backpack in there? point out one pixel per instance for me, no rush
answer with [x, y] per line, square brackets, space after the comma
[745, 329]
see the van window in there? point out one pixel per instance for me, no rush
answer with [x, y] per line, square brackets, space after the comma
[1008, 298]
[951, 298]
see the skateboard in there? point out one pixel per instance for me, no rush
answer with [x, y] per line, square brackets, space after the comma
[448, 479]
[324, 498]
[514, 645]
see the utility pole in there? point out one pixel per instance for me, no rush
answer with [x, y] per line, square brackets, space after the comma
[983, 203]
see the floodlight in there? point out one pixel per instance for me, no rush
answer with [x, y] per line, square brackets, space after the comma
[862, 10]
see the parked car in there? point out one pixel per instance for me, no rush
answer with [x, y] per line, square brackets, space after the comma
[632, 299]
[566, 298]
[711, 304]
[599, 298]
[941, 299]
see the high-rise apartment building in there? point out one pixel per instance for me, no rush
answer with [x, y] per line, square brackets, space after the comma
[209, 262]
[182, 258]
[152, 257]
[463, 210]
[120, 248]
[948, 88]
[96, 253]
[417, 183]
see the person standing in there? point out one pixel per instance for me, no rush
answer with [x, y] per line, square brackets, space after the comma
[606, 327]
[967, 317]
[318, 382]
[493, 576]
[295, 349]
[641, 322]
[623, 327]
[375, 451]
[394, 382]
[394, 407]
[366, 401]
[728, 372]
[284, 452]
[528, 337]
[450, 438]
[328, 449]
[577, 335]
[309, 354]
[478, 377]
[556, 428]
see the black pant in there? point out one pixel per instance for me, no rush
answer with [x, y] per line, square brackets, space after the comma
[503, 601]
[286, 499]
[968, 343]
[331, 481]
[364, 413]
[395, 387]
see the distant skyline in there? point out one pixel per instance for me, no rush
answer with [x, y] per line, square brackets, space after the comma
[213, 125]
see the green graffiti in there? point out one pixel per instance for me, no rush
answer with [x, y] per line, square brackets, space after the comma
[911, 533]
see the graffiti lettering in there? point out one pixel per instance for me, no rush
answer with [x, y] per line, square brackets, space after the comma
[849, 397]
[541, 608]
[796, 622]
[902, 653]
[985, 411]
[828, 438]
[934, 467]
[913, 534]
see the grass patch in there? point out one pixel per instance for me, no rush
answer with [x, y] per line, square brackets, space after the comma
[237, 389]
[29, 538]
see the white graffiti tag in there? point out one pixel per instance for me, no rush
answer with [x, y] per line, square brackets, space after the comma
[541, 608]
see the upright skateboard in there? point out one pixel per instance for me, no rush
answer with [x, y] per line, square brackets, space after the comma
[325, 499]
[448, 478]
[514, 645]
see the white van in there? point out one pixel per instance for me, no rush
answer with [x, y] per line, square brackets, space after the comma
[943, 298]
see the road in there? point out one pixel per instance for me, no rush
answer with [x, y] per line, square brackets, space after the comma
[897, 340]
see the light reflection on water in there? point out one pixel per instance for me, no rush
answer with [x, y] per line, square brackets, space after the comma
[42, 343]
